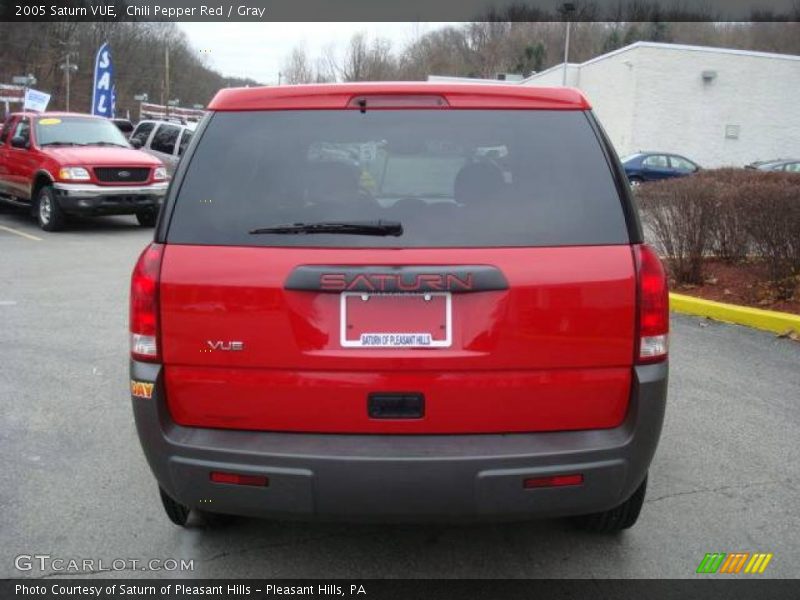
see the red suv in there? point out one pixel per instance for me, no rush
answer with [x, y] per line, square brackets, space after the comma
[400, 301]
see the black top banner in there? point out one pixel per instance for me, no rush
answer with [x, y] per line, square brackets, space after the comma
[398, 10]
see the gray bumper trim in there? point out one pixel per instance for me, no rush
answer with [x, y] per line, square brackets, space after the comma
[90, 190]
[402, 477]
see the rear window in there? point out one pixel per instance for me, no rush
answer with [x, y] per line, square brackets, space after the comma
[142, 131]
[458, 178]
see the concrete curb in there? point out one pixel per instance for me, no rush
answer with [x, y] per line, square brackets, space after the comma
[768, 320]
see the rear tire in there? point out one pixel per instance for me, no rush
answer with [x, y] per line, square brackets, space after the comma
[147, 218]
[636, 182]
[618, 518]
[48, 213]
[178, 513]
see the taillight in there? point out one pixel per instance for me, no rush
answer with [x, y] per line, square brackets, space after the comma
[653, 334]
[144, 304]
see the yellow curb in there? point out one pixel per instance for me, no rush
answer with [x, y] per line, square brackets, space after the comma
[768, 320]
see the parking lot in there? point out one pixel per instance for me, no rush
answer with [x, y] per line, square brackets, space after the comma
[726, 477]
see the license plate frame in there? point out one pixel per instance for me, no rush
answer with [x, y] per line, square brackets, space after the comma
[359, 343]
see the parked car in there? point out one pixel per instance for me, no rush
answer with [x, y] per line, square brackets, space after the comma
[653, 166]
[124, 125]
[790, 165]
[453, 339]
[166, 140]
[60, 164]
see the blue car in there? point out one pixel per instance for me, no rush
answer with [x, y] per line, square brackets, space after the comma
[653, 166]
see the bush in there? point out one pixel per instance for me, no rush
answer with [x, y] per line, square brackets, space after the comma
[679, 213]
[773, 224]
[729, 237]
[731, 214]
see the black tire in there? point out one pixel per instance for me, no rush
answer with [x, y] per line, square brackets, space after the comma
[48, 213]
[618, 518]
[636, 181]
[147, 218]
[177, 512]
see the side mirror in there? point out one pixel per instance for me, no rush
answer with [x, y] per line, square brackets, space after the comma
[136, 143]
[19, 142]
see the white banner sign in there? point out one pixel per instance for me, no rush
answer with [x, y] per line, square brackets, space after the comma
[36, 100]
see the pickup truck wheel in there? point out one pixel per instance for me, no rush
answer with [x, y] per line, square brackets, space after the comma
[178, 513]
[48, 212]
[147, 218]
[616, 519]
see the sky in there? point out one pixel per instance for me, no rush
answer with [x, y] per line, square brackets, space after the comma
[258, 50]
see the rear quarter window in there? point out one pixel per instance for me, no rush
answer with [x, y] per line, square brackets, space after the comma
[453, 178]
[165, 138]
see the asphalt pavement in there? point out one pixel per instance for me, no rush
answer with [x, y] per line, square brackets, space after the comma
[75, 484]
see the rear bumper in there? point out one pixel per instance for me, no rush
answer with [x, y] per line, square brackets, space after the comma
[402, 477]
[93, 199]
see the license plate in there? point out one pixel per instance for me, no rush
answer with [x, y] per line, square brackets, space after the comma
[396, 320]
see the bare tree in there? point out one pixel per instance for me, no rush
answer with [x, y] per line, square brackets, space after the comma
[328, 68]
[365, 61]
[296, 69]
[353, 67]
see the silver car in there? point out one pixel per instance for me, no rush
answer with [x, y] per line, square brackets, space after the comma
[790, 165]
[166, 140]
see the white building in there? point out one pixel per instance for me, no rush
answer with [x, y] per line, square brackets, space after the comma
[713, 105]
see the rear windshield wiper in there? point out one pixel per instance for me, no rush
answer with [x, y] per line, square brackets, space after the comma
[394, 228]
[106, 144]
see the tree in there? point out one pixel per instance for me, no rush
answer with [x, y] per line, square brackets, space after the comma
[658, 31]
[138, 50]
[612, 41]
[296, 68]
[532, 59]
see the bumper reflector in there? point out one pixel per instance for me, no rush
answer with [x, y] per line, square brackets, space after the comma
[237, 479]
[552, 481]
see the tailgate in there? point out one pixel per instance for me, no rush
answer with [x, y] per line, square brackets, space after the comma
[296, 339]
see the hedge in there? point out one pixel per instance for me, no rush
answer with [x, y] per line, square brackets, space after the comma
[732, 214]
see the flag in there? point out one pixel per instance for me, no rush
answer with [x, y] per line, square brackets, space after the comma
[103, 90]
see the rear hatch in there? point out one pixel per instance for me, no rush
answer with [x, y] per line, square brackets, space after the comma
[398, 271]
